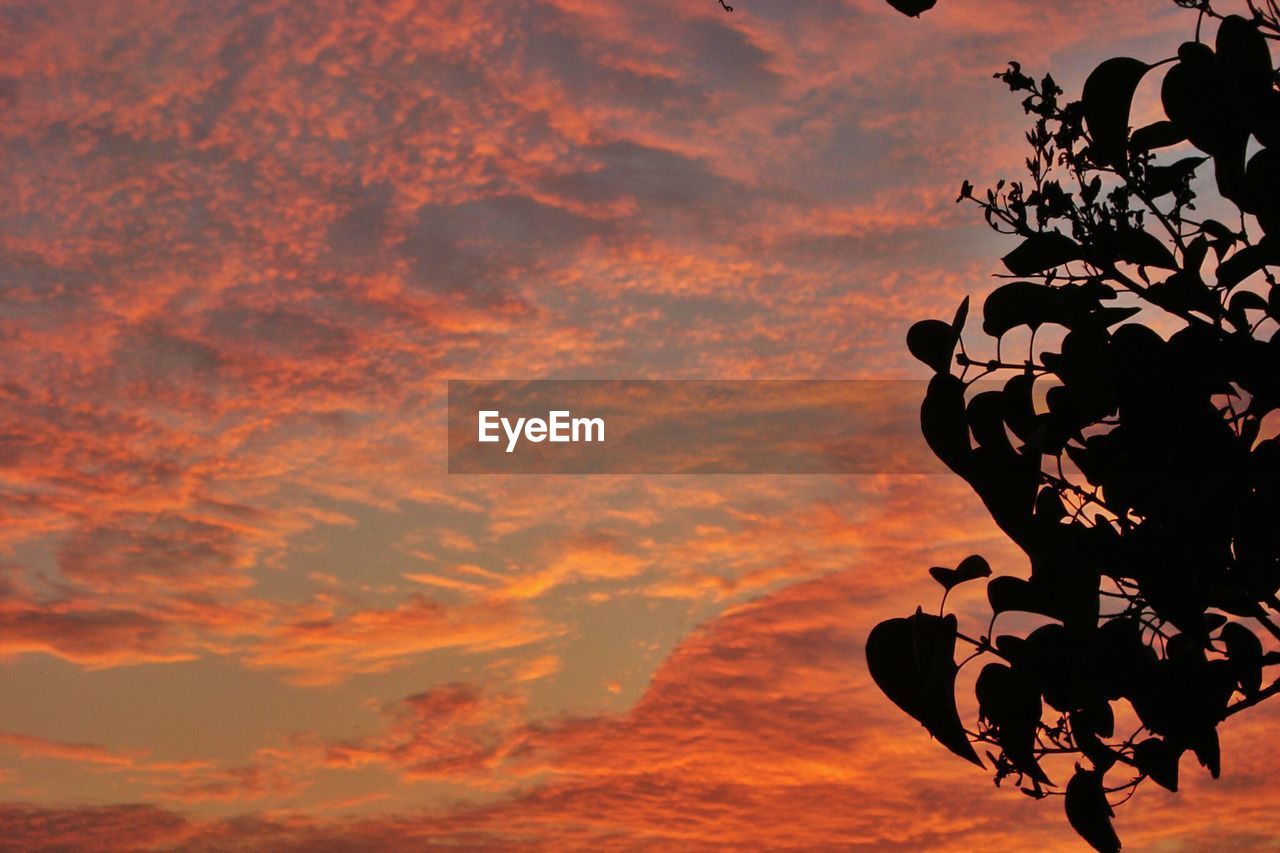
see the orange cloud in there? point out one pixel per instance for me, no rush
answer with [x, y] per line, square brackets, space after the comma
[244, 245]
[325, 647]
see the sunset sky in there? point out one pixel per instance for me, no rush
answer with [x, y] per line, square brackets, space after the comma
[244, 245]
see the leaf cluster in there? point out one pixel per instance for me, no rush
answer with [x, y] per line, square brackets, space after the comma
[1121, 432]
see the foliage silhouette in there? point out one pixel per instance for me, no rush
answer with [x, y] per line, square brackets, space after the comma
[1130, 452]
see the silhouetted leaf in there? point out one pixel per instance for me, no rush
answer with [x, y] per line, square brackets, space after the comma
[1041, 252]
[1262, 184]
[1144, 248]
[1213, 621]
[932, 342]
[1184, 291]
[1208, 751]
[1012, 706]
[1188, 94]
[1055, 659]
[970, 568]
[1193, 258]
[1241, 265]
[1019, 303]
[1194, 98]
[1018, 405]
[1159, 760]
[1005, 594]
[962, 314]
[1241, 302]
[1006, 481]
[1089, 812]
[1088, 727]
[1162, 180]
[985, 414]
[1216, 229]
[913, 661]
[913, 7]
[1107, 97]
[1160, 134]
[1247, 299]
[943, 423]
[1244, 57]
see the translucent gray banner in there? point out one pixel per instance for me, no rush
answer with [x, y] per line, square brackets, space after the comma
[687, 427]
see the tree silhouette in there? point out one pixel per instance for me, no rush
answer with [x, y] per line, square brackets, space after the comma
[1128, 447]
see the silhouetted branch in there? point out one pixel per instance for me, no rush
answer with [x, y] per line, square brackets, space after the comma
[1255, 699]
